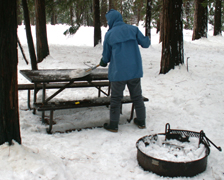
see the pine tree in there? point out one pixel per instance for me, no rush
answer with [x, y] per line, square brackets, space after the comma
[200, 19]
[9, 111]
[217, 24]
[172, 43]
[41, 31]
[97, 29]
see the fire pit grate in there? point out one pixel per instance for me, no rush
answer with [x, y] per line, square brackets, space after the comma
[173, 168]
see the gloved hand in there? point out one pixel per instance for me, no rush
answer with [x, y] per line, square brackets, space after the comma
[102, 63]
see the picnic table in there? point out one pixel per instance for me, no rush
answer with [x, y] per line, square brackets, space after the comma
[62, 79]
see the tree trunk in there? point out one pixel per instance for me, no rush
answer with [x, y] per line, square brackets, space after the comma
[97, 30]
[200, 19]
[53, 14]
[103, 12]
[19, 19]
[29, 36]
[139, 11]
[32, 21]
[172, 43]
[9, 114]
[53, 18]
[41, 31]
[218, 24]
[121, 6]
[112, 4]
[89, 17]
[158, 26]
[148, 19]
[71, 15]
[161, 22]
[187, 12]
[31, 9]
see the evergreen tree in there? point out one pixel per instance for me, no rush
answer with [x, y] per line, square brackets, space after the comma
[103, 13]
[172, 43]
[188, 15]
[148, 19]
[200, 19]
[29, 36]
[217, 19]
[41, 31]
[9, 110]
[97, 29]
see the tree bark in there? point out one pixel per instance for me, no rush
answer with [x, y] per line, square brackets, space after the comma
[71, 15]
[200, 19]
[19, 19]
[158, 26]
[53, 13]
[41, 31]
[139, 5]
[121, 7]
[103, 12]
[29, 36]
[148, 19]
[187, 12]
[172, 43]
[53, 18]
[9, 114]
[218, 24]
[97, 29]
[112, 4]
[161, 22]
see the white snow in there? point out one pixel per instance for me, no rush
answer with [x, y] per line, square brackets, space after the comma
[190, 100]
[75, 73]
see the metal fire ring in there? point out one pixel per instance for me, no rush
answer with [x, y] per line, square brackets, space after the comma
[171, 168]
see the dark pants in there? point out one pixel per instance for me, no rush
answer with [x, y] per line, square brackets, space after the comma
[134, 87]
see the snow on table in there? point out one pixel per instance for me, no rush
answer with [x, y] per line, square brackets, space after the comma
[76, 72]
[172, 150]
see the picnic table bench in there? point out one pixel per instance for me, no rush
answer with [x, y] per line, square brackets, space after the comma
[100, 101]
[60, 79]
[97, 84]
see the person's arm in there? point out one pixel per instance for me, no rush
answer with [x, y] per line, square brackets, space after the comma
[106, 55]
[144, 41]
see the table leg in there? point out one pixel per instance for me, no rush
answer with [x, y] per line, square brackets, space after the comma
[132, 113]
[51, 122]
[43, 101]
[108, 94]
[28, 99]
[99, 91]
[35, 97]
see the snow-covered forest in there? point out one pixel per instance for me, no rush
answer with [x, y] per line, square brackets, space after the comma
[190, 100]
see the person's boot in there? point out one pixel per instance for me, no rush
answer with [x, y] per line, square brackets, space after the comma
[140, 124]
[112, 127]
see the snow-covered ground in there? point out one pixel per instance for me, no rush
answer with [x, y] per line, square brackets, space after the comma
[190, 100]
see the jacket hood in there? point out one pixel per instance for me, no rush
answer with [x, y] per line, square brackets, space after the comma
[113, 17]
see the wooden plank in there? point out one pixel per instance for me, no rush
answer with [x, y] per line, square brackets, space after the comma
[61, 75]
[59, 85]
[100, 101]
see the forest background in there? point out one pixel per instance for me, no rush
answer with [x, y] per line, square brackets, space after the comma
[80, 12]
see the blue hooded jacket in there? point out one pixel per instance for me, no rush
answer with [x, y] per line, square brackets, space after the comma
[120, 48]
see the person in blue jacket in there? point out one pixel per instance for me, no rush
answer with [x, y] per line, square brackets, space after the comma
[121, 51]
